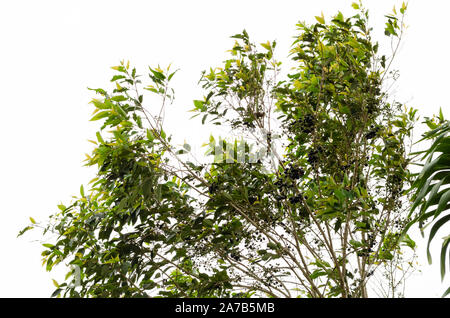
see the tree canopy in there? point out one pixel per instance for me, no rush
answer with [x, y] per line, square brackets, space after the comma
[309, 201]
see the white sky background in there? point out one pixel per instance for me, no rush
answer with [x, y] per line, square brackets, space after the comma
[51, 51]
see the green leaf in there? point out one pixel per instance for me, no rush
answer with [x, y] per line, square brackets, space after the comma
[55, 283]
[119, 68]
[340, 17]
[444, 199]
[99, 137]
[317, 273]
[266, 45]
[403, 8]
[446, 293]
[171, 75]
[120, 111]
[445, 245]
[437, 225]
[272, 245]
[355, 6]
[355, 244]
[27, 228]
[423, 192]
[117, 77]
[56, 292]
[408, 241]
[157, 75]
[150, 135]
[98, 91]
[389, 30]
[119, 98]
[32, 220]
[208, 223]
[101, 115]
[200, 105]
[320, 19]
[442, 161]
[99, 104]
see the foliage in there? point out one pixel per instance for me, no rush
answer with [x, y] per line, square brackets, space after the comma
[316, 216]
[432, 197]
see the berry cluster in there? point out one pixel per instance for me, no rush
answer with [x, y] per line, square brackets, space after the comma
[370, 273]
[303, 125]
[253, 241]
[395, 185]
[279, 197]
[259, 114]
[399, 224]
[295, 199]
[295, 173]
[313, 155]
[364, 252]
[235, 257]
[249, 124]
[271, 281]
[252, 199]
[371, 242]
[279, 184]
[246, 123]
[213, 187]
[372, 105]
[373, 133]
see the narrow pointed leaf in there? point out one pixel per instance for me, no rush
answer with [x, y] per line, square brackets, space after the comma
[433, 231]
[443, 254]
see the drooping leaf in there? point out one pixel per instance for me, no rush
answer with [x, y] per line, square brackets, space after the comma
[436, 226]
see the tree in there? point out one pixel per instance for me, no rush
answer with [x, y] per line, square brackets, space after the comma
[432, 197]
[310, 202]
